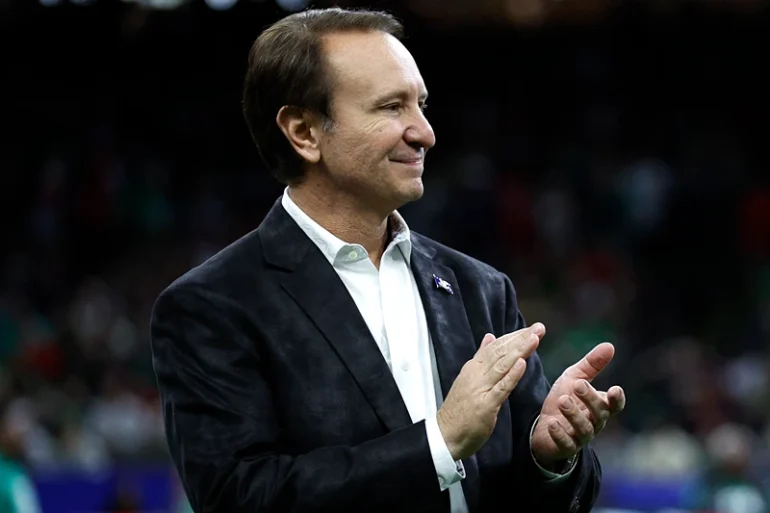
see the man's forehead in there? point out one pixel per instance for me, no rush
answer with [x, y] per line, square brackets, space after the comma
[370, 60]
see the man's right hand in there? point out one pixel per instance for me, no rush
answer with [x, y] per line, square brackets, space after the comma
[469, 413]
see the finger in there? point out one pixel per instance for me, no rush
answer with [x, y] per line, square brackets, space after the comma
[616, 397]
[503, 388]
[488, 339]
[538, 329]
[491, 350]
[582, 430]
[593, 363]
[499, 369]
[520, 344]
[561, 438]
[595, 403]
[518, 340]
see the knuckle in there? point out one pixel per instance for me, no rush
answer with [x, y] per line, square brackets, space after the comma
[500, 350]
[506, 384]
[598, 428]
[501, 366]
[524, 349]
[567, 441]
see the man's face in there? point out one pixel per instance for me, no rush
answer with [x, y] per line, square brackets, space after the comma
[377, 146]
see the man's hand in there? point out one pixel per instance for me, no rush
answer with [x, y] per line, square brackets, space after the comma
[469, 413]
[574, 412]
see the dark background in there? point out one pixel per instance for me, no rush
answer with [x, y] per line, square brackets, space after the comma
[611, 157]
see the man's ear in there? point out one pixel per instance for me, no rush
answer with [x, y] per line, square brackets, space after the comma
[300, 128]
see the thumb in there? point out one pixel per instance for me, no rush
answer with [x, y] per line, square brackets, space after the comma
[592, 363]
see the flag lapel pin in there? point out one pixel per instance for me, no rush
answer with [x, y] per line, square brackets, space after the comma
[442, 284]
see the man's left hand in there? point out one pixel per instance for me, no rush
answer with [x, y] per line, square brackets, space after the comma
[574, 412]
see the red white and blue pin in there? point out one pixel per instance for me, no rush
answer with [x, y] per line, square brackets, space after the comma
[442, 284]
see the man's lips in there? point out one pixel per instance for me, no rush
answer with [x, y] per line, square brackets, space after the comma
[412, 160]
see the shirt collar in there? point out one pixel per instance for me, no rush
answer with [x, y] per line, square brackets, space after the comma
[336, 250]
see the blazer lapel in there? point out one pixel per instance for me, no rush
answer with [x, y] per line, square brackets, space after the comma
[448, 324]
[450, 334]
[322, 295]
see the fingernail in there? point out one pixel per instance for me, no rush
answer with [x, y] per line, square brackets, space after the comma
[581, 388]
[567, 403]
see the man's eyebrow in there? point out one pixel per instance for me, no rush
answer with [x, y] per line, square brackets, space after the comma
[398, 95]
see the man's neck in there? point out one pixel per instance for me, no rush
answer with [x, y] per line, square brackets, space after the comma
[341, 216]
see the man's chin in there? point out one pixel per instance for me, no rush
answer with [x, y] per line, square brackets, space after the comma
[413, 190]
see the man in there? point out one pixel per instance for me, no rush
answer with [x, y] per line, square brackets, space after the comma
[17, 491]
[332, 360]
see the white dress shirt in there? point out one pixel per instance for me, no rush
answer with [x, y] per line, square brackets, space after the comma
[390, 304]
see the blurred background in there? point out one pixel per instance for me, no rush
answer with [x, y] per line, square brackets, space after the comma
[610, 155]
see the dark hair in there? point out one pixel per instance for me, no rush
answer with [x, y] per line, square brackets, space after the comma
[287, 67]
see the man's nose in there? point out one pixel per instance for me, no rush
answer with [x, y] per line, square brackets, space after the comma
[420, 133]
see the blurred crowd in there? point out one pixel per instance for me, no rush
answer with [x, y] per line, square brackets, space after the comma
[618, 175]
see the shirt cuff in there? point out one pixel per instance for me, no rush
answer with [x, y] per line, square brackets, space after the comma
[552, 476]
[448, 470]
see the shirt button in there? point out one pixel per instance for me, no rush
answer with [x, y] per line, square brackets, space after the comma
[353, 255]
[405, 366]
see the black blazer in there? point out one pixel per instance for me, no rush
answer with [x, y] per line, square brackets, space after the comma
[276, 397]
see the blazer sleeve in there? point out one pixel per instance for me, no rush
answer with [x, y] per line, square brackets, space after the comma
[225, 438]
[576, 494]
